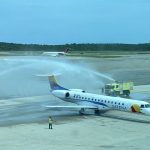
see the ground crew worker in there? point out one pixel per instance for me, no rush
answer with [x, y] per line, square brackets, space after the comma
[50, 121]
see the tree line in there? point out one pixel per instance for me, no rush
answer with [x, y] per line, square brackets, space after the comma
[74, 47]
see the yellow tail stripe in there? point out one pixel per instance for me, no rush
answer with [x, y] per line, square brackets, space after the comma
[52, 79]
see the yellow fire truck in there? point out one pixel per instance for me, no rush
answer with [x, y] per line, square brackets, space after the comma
[118, 88]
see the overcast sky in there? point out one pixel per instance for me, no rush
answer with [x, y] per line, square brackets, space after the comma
[75, 21]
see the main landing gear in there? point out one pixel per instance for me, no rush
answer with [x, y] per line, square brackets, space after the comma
[97, 112]
[81, 111]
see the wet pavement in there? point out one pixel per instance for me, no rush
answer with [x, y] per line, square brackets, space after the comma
[24, 94]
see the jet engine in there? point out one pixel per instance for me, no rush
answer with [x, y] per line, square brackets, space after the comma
[61, 93]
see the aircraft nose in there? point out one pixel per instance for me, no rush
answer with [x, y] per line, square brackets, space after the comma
[146, 111]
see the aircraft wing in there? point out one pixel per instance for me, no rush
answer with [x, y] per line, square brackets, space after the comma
[78, 106]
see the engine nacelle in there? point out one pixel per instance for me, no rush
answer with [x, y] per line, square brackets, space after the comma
[61, 93]
[77, 90]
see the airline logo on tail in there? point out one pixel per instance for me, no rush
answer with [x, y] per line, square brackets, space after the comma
[66, 50]
[54, 85]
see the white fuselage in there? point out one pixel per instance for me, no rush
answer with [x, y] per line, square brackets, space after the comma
[54, 53]
[103, 102]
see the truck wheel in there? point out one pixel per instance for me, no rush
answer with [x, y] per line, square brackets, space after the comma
[126, 92]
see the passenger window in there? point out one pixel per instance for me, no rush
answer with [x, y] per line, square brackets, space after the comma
[142, 106]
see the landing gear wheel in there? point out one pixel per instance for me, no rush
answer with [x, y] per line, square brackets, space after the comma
[97, 112]
[81, 112]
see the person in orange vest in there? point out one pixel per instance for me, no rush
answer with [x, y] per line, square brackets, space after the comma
[50, 121]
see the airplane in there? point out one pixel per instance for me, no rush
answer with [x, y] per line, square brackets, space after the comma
[96, 102]
[56, 53]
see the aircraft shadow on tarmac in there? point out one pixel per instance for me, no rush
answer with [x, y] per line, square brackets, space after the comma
[74, 113]
[130, 119]
[125, 118]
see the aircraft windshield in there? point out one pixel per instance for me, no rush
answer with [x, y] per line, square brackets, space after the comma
[109, 86]
[145, 106]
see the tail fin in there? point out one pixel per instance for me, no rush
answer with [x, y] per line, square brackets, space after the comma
[66, 50]
[53, 83]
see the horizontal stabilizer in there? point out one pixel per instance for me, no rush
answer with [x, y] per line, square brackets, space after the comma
[48, 74]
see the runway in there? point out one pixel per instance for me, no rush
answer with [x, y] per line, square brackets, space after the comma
[24, 94]
[32, 110]
[23, 115]
[82, 132]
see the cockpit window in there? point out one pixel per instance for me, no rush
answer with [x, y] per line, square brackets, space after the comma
[145, 106]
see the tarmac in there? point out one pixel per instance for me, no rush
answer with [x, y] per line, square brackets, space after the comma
[84, 133]
[24, 120]
[111, 130]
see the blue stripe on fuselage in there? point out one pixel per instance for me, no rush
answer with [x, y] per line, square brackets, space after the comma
[55, 86]
[98, 103]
